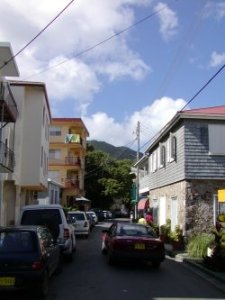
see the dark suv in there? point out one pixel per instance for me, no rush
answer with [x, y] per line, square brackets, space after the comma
[28, 258]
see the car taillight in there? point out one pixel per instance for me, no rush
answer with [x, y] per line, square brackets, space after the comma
[37, 265]
[66, 234]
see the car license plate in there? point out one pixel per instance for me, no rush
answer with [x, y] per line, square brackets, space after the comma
[139, 246]
[7, 281]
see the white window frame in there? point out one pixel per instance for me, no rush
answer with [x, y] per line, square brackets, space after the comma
[170, 140]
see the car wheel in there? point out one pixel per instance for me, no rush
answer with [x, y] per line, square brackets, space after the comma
[156, 264]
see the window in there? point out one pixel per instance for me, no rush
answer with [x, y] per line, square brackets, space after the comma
[162, 156]
[55, 131]
[153, 161]
[54, 175]
[54, 154]
[216, 139]
[172, 148]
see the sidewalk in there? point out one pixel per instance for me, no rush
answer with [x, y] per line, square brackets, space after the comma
[181, 256]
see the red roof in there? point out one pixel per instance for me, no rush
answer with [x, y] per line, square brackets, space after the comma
[215, 110]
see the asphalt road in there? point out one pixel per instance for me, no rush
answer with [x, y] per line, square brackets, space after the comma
[89, 277]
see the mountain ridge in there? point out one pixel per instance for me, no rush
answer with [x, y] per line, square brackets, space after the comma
[120, 152]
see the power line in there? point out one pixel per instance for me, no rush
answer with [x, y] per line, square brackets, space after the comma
[36, 36]
[204, 86]
[196, 94]
[103, 41]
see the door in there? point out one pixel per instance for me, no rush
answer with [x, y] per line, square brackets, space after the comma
[162, 211]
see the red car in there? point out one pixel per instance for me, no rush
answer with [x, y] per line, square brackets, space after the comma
[131, 241]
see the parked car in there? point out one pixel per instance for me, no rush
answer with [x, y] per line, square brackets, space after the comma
[99, 213]
[107, 214]
[80, 222]
[54, 218]
[94, 215]
[90, 219]
[28, 258]
[131, 241]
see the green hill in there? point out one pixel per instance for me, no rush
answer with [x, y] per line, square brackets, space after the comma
[115, 152]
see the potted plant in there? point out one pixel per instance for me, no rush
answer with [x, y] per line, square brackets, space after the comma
[176, 238]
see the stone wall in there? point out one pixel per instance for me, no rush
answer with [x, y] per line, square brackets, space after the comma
[195, 203]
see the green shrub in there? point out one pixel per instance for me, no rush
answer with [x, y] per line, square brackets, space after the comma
[197, 245]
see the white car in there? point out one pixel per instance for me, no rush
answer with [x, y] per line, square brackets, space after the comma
[94, 216]
[53, 217]
[80, 222]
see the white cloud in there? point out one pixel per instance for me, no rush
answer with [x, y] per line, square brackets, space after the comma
[81, 26]
[215, 9]
[217, 59]
[168, 20]
[104, 128]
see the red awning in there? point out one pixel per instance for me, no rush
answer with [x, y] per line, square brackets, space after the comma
[143, 203]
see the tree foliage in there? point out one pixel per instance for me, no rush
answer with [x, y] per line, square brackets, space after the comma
[107, 179]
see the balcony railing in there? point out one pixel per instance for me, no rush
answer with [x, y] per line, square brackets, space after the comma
[8, 107]
[71, 183]
[7, 160]
[67, 161]
[72, 161]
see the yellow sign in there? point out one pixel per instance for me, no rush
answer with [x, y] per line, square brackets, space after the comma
[221, 195]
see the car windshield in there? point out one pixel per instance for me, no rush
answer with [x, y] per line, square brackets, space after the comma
[135, 230]
[17, 241]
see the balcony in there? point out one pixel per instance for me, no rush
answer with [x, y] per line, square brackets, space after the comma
[7, 160]
[67, 161]
[8, 107]
[71, 183]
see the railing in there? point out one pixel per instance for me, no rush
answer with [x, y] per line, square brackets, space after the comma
[73, 161]
[7, 160]
[71, 183]
[8, 107]
[67, 161]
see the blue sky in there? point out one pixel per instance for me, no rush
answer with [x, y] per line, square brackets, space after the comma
[146, 74]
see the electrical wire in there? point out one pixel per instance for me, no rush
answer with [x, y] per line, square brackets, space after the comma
[195, 95]
[36, 36]
[204, 86]
[100, 43]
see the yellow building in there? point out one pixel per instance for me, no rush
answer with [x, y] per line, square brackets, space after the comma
[67, 150]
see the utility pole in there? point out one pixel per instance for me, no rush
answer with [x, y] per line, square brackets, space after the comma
[137, 176]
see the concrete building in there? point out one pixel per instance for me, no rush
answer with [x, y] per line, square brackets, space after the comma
[8, 118]
[31, 141]
[52, 195]
[67, 152]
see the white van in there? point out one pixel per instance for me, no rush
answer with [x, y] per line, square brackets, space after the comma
[53, 217]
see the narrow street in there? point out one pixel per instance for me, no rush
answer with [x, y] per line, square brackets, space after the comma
[89, 277]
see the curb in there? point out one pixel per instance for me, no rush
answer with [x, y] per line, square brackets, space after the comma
[195, 263]
[220, 276]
